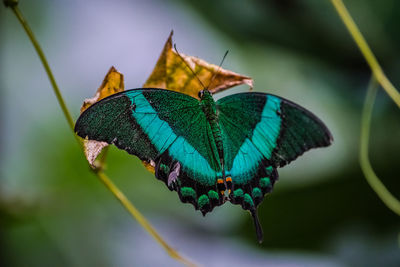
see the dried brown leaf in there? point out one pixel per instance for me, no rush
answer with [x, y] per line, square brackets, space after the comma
[172, 73]
[112, 83]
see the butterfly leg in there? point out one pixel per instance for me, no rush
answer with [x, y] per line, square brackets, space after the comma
[173, 176]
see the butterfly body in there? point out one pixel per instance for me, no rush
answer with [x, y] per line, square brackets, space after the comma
[209, 152]
[210, 111]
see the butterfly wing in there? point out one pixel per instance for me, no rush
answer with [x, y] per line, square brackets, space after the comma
[168, 130]
[260, 133]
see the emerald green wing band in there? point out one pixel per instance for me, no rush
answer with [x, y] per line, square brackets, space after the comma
[268, 126]
[110, 120]
[301, 131]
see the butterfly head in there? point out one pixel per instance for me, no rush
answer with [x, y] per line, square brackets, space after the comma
[203, 94]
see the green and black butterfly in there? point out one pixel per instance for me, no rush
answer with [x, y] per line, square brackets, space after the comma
[209, 152]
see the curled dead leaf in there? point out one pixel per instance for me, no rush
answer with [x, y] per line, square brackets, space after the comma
[173, 74]
[112, 83]
[92, 149]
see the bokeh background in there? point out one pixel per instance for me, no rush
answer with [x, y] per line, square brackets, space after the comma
[54, 212]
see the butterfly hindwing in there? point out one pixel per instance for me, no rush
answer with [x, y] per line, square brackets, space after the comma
[168, 130]
[250, 126]
[260, 133]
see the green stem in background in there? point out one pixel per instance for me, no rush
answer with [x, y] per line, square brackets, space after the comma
[100, 174]
[379, 76]
[18, 14]
[141, 219]
[366, 51]
[390, 201]
[100, 163]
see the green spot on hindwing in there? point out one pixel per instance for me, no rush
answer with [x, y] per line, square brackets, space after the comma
[269, 170]
[203, 200]
[248, 200]
[212, 194]
[256, 192]
[265, 182]
[238, 193]
[164, 168]
[188, 192]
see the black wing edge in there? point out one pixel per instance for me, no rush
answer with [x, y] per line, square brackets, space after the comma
[324, 142]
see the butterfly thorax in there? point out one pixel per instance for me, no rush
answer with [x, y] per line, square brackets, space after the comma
[208, 105]
[210, 110]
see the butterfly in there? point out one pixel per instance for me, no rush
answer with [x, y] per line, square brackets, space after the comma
[209, 152]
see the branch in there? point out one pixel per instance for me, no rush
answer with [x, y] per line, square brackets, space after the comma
[42, 57]
[378, 76]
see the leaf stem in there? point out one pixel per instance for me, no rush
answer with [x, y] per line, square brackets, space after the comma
[46, 66]
[380, 77]
[366, 51]
[100, 163]
[390, 201]
[140, 218]
[100, 174]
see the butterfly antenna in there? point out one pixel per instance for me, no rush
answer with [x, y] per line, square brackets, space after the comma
[218, 70]
[187, 65]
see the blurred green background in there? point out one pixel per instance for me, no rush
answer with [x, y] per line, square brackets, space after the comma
[54, 212]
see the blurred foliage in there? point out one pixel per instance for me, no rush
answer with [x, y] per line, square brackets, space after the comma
[311, 28]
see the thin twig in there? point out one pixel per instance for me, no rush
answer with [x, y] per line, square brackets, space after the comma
[100, 174]
[141, 219]
[390, 201]
[103, 157]
[366, 51]
[379, 76]
[46, 66]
